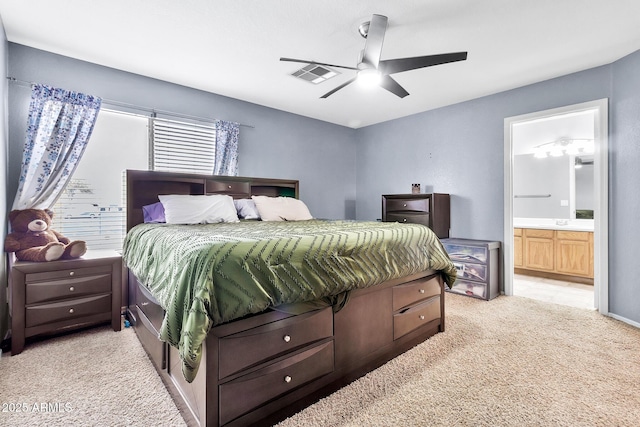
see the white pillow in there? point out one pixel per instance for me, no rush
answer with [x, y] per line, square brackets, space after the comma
[200, 209]
[281, 208]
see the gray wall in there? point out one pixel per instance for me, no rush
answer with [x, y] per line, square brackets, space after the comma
[459, 149]
[456, 149]
[624, 197]
[541, 177]
[281, 145]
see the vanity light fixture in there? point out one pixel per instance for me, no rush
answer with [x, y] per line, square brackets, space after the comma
[564, 146]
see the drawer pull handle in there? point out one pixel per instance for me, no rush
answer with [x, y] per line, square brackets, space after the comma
[421, 291]
[229, 186]
[286, 338]
[144, 303]
[421, 317]
[71, 289]
[287, 379]
[404, 219]
[404, 205]
[71, 273]
[71, 310]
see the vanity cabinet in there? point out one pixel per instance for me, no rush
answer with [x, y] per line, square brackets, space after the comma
[432, 210]
[561, 254]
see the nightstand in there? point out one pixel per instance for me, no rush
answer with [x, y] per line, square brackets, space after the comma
[432, 210]
[61, 295]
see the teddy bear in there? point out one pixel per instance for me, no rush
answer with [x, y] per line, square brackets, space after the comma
[32, 239]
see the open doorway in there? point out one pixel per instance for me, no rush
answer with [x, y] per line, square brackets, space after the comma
[564, 208]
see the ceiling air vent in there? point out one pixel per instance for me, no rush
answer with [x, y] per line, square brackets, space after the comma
[315, 74]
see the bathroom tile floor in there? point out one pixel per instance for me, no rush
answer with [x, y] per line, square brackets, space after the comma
[554, 291]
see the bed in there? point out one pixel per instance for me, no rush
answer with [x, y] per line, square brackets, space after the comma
[248, 322]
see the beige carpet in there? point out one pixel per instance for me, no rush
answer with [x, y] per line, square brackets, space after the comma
[507, 362]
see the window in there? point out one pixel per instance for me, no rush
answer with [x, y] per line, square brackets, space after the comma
[92, 207]
[183, 147]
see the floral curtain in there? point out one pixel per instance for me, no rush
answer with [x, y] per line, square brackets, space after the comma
[226, 156]
[58, 130]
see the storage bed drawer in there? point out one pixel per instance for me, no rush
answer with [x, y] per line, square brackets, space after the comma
[245, 393]
[415, 317]
[409, 293]
[149, 306]
[148, 336]
[257, 345]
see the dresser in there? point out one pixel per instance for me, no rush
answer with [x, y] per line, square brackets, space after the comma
[57, 296]
[478, 267]
[432, 210]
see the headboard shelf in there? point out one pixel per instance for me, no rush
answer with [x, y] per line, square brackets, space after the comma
[143, 188]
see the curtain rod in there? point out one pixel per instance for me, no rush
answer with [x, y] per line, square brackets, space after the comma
[133, 106]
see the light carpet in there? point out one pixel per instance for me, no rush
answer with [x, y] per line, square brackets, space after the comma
[506, 362]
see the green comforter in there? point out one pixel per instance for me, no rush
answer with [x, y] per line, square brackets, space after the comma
[205, 275]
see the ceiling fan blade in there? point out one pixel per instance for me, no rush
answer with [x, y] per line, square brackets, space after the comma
[305, 61]
[375, 37]
[390, 66]
[331, 92]
[393, 86]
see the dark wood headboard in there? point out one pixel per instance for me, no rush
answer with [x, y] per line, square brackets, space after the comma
[143, 188]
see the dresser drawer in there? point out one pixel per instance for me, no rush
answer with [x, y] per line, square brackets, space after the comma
[245, 393]
[409, 293]
[416, 316]
[467, 287]
[149, 306]
[68, 309]
[257, 345]
[467, 270]
[408, 217]
[67, 273]
[407, 205]
[68, 288]
[227, 187]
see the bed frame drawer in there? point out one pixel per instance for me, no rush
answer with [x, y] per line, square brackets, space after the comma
[415, 317]
[410, 293]
[148, 305]
[148, 337]
[245, 393]
[227, 187]
[257, 345]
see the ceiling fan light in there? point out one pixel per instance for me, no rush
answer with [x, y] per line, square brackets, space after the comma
[369, 77]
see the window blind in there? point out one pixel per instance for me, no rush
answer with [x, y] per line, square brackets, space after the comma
[183, 147]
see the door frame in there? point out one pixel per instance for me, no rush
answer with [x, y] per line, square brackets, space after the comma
[600, 109]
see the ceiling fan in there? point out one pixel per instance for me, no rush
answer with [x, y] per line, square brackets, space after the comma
[370, 65]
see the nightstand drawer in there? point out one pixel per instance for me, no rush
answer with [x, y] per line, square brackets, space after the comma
[69, 288]
[66, 273]
[69, 309]
[409, 293]
[254, 346]
[407, 205]
[409, 217]
[415, 317]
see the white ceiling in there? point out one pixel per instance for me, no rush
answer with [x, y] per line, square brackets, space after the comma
[232, 47]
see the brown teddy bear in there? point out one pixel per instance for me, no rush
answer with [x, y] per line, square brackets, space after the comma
[32, 239]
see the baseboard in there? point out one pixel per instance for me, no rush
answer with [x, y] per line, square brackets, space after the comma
[624, 319]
